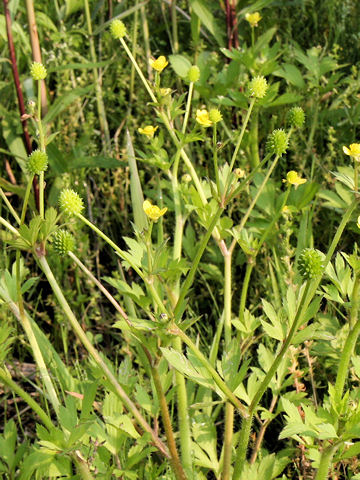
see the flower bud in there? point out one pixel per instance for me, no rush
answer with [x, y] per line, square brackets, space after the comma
[215, 115]
[310, 263]
[70, 202]
[257, 87]
[37, 162]
[117, 29]
[296, 117]
[277, 142]
[194, 74]
[64, 242]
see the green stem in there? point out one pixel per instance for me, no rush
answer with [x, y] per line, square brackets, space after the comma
[258, 193]
[104, 127]
[242, 446]
[244, 125]
[134, 43]
[7, 225]
[174, 330]
[26, 325]
[179, 308]
[342, 373]
[188, 107]
[26, 199]
[42, 148]
[250, 264]
[100, 286]
[33, 404]
[175, 39]
[229, 409]
[215, 157]
[108, 240]
[174, 456]
[96, 356]
[82, 467]
[325, 462]
[9, 206]
[134, 62]
[183, 414]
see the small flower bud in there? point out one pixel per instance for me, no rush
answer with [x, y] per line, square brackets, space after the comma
[38, 71]
[37, 162]
[296, 117]
[215, 115]
[194, 74]
[257, 87]
[277, 142]
[70, 202]
[186, 178]
[64, 242]
[117, 29]
[239, 172]
[310, 263]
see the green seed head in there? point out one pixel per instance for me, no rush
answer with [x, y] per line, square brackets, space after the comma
[37, 162]
[70, 202]
[297, 117]
[310, 263]
[257, 87]
[64, 242]
[117, 29]
[215, 115]
[194, 74]
[38, 71]
[277, 142]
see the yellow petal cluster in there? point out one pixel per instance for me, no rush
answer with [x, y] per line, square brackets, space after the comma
[153, 211]
[149, 130]
[353, 151]
[159, 64]
[202, 117]
[253, 18]
[293, 178]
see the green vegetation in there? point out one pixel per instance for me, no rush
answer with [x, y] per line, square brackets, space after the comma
[179, 224]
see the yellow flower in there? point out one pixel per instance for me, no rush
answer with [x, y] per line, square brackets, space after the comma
[149, 130]
[153, 211]
[158, 64]
[293, 178]
[353, 151]
[202, 117]
[253, 18]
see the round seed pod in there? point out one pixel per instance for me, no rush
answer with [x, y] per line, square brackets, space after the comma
[70, 202]
[310, 263]
[258, 87]
[117, 29]
[64, 242]
[37, 162]
[297, 117]
[277, 142]
[38, 71]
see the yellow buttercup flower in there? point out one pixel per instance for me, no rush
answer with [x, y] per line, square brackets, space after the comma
[158, 64]
[153, 211]
[149, 130]
[253, 18]
[293, 178]
[202, 117]
[353, 151]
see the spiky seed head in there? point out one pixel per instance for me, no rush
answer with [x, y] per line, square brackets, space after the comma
[257, 87]
[297, 117]
[215, 115]
[37, 162]
[70, 202]
[117, 29]
[310, 263]
[194, 73]
[38, 71]
[64, 242]
[277, 142]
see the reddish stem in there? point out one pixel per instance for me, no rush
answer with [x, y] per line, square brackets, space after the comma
[19, 92]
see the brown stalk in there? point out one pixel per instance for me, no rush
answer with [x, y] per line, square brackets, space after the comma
[20, 98]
